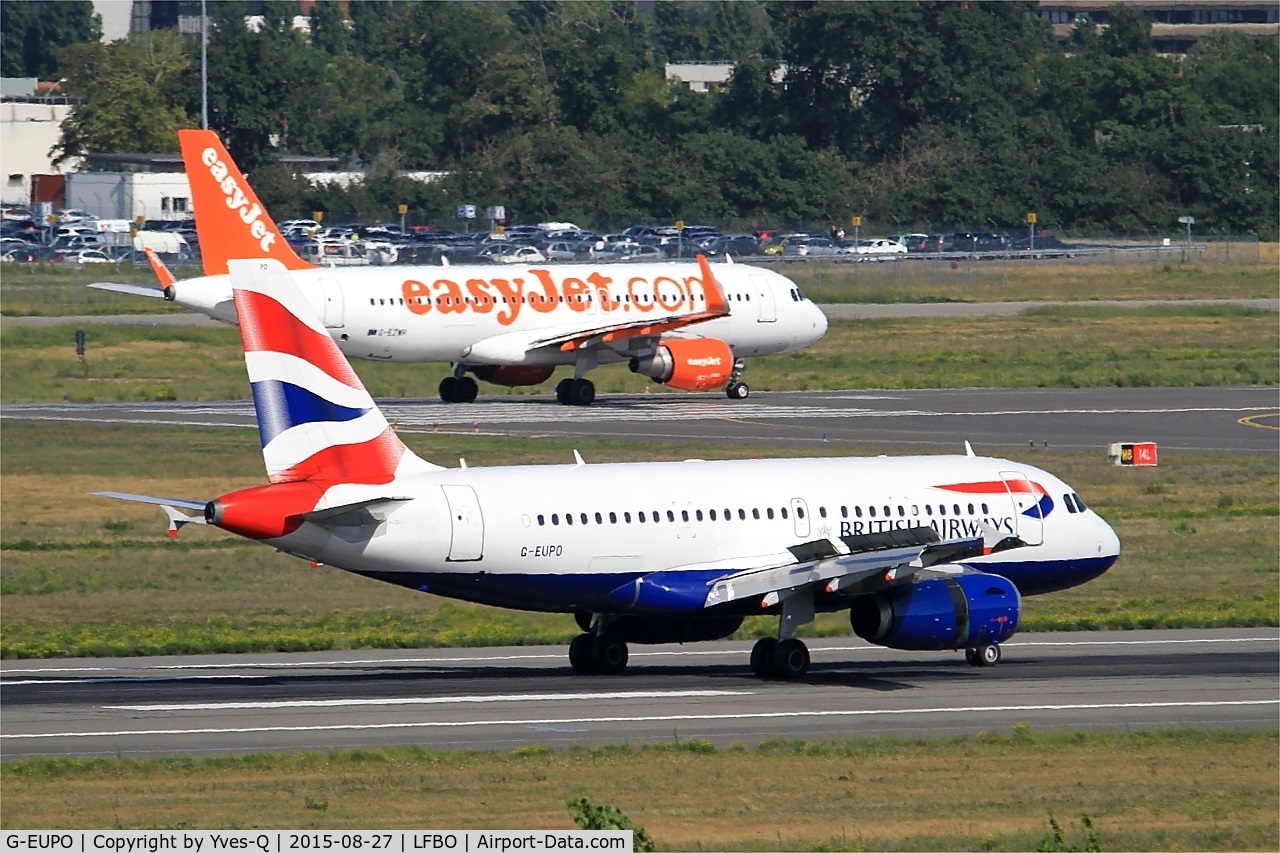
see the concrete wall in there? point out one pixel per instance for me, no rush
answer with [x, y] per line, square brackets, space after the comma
[128, 195]
[27, 131]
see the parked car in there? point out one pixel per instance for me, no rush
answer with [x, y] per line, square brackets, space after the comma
[81, 256]
[810, 247]
[874, 247]
[734, 245]
[512, 254]
[642, 253]
[976, 241]
[23, 254]
[565, 250]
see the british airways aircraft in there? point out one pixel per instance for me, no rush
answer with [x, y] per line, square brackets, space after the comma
[506, 324]
[925, 552]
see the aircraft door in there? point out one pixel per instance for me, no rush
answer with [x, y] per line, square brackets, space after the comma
[332, 310]
[764, 294]
[1028, 507]
[466, 524]
[800, 516]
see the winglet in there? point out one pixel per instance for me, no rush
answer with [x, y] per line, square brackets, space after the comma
[230, 221]
[157, 266]
[968, 449]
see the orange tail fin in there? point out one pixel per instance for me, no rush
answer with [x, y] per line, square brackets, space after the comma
[230, 221]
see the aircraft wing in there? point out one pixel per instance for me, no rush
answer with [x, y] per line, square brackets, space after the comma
[849, 565]
[513, 347]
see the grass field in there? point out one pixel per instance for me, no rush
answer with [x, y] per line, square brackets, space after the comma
[1249, 273]
[90, 576]
[1176, 790]
[1050, 347]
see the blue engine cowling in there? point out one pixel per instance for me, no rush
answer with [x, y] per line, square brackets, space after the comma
[957, 612]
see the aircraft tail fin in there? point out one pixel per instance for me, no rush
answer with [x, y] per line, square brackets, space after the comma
[316, 421]
[230, 221]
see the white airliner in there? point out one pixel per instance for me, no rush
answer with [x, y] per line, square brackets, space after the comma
[925, 552]
[508, 324]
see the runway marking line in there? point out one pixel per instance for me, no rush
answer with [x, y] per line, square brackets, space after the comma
[435, 700]
[670, 718]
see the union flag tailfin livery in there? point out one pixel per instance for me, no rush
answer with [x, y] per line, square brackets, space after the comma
[924, 552]
[679, 323]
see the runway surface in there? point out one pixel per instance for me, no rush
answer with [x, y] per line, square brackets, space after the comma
[1191, 420]
[508, 697]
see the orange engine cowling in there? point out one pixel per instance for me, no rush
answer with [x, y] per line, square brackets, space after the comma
[690, 365]
[513, 375]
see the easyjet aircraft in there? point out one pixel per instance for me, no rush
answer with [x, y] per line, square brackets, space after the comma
[677, 323]
[925, 552]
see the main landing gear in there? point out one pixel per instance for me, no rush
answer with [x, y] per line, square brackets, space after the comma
[785, 660]
[576, 392]
[458, 389]
[590, 655]
[597, 651]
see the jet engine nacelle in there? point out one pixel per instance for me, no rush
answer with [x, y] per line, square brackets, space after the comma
[515, 375]
[698, 364]
[654, 630]
[957, 612]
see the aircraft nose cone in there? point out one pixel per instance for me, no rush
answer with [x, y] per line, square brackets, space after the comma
[1108, 541]
[819, 324]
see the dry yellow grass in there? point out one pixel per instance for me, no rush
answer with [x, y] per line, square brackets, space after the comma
[1181, 791]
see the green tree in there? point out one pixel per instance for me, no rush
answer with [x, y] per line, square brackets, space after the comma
[34, 31]
[126, 90]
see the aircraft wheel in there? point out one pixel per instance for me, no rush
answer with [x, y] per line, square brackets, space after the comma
[609, 655]
[988, 655]
[762, 657]
[737, 391]
[581, 392]
[562, 390]
[467, 389]
[449, 389]
[790, 659]
[580, 654]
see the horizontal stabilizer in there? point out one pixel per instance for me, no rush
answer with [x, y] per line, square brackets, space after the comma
[185, 503]
[177, 519]
[131, 289]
